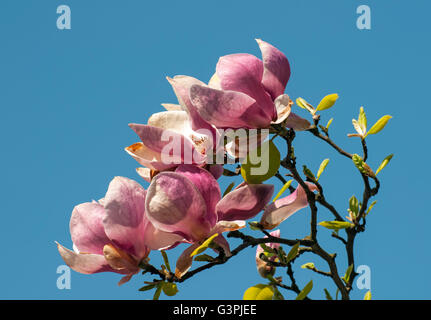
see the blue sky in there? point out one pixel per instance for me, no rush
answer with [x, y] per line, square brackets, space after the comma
[67, 96]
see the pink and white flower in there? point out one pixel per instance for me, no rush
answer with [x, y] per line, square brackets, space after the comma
[114, 235]
[247, 92]
[188, 202]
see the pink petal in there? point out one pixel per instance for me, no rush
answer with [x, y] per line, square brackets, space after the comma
[228, 109]
[86, 228]
[174, 147]
[296, 122]
[184, 261]
[206, 185]
[275, 233]
[244, 202]
[86, 263]
[145, 173]
[281, 209]
[148, 157]
[243, 73]
[276, 69]
[216, 170]
[283, 104]
[124, 223]
[181, 86]
[156, 239]
[174, 204]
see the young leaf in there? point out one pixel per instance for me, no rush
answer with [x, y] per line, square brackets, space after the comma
[328, 295]
[358, 127]
[229, 188]
[284, 188]
[336, 225]
[305, 105]
[367, 295]
[346, 277]
[303, 294]
[379, 125]
[170, 289]
[354, 205]
[384, 163]
[308, 173]
[259, 292]
[308, 265]
[204, 245]
[254, 225]
[166, 260]
[262, 164]
[148, 287]
[370, 207]
[329, 123]
[158, 291]
[293, 252]
[362, 120]
[204, 257]
[322, 167]
[327, 102]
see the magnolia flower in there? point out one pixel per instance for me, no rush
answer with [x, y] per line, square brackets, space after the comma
[247, 92]
[281, 209]
[188, 202]
[114, 234]
[264, 268]
[176, 136]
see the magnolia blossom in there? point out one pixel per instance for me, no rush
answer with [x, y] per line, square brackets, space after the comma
[114, 234]
[264, 268]
[281, 209]
[188, 202]
[247, 92]
[176, 136]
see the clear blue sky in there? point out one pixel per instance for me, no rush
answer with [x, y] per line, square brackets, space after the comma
[66, 98]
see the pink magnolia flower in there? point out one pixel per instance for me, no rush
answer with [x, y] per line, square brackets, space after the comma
[281, 209]
[262, 267]
[114, 234]
[176, 136]
[188, 202]
[247, 92]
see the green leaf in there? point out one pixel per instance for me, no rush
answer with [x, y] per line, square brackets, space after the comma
[322, 167]
[328, 295]
[267, 249]
[204, 257]
[259, 292]
[284, 188]
[379, 125]
[170, 289]
[254, 225]
[305, 105]
[204, 245]
[362, 120]
[229, 188]
[354, 205]
[303, 294]
[367, 295]
[308, 173]
[370, 207]
[327, 102]
[308, 265]
[261, 164]
[158, 291]
[166, 260]
[148, 287]
[329, 123]
[293, 252]
[336, 225]
[346, 277]
[384, 163]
